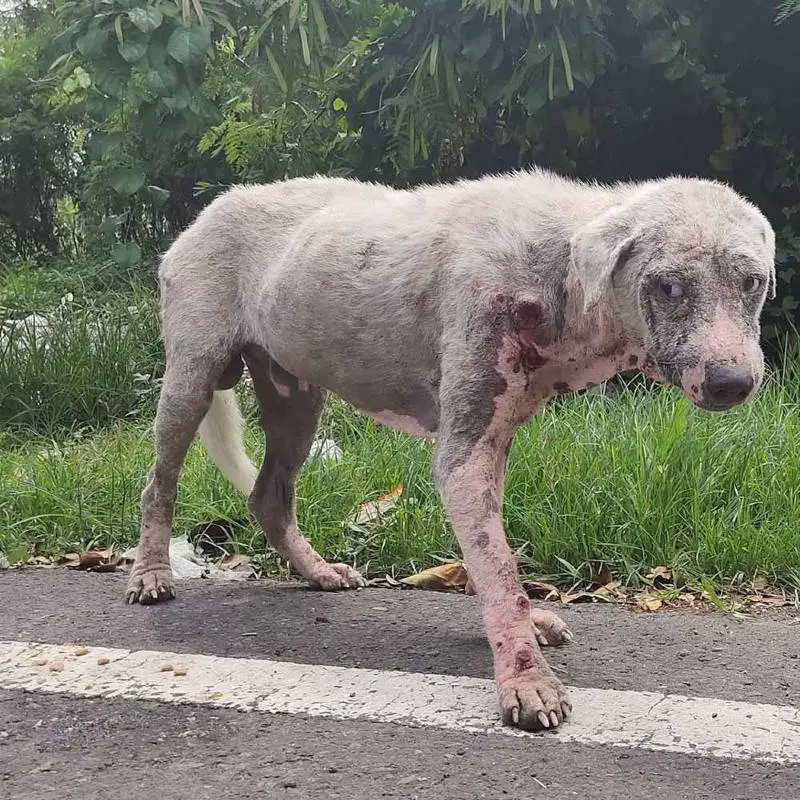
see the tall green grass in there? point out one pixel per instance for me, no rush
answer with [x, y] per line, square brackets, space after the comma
[625, 482]
[82, 364]
[629, 482]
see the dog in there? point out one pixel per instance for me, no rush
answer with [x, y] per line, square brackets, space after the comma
[452, 312]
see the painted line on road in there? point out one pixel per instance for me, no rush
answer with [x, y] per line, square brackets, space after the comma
[648, 720]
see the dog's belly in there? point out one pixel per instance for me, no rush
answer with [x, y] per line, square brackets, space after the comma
[402, 423]
[398, 402]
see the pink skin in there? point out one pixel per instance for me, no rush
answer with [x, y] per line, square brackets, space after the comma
[530, 695]
[549, 628]
[310, 565]
[722, 341]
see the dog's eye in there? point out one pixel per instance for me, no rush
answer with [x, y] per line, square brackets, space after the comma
[671, 289]
[751, 284]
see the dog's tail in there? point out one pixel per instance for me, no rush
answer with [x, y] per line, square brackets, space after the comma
[221, 435]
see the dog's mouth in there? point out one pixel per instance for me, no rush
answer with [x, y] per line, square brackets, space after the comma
[715, 405]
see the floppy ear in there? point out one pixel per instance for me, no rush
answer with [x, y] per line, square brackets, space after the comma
[768, 235]
[598, 250]
[771, 284]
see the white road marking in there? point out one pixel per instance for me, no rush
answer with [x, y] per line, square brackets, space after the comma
[648, 720]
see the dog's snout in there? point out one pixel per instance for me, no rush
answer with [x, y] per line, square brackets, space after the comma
[727, 385]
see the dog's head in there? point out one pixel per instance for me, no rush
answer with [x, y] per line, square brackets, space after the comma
[686, 266]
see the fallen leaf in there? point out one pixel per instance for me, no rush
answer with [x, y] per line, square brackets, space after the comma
[97, 561]
[234, 561]
[442, 578]
[648, 602]
[768, 599]
[760, 583]
[660, 576]
[374, 509]
[613, 590]
[540, 590]
[579, 597]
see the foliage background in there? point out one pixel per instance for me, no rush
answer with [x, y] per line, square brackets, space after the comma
[119, 119]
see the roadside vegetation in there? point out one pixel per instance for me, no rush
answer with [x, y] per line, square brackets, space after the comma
[121, 119]
[613, 483]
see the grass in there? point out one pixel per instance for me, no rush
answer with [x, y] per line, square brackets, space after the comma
[623, 483]
[627, 483]
[83, 364]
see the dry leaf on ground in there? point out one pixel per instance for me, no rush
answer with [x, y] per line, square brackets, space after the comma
[96, 561]
[649, 603]
[373, 510]
[442, 578]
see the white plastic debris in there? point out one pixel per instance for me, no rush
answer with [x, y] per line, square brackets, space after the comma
[187, 562]
[325, 449]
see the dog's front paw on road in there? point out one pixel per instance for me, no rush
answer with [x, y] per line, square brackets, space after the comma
[335, 577]
[534, 701]
[150, 584]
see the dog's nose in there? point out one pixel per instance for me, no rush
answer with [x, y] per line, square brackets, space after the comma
[727, 384]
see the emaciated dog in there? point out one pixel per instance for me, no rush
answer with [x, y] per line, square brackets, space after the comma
[452, 312]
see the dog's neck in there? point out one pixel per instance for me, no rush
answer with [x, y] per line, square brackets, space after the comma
[593, 347]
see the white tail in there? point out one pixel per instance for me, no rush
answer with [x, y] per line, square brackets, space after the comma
[221, 435]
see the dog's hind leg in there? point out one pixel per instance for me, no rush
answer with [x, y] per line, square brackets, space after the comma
[289, 416]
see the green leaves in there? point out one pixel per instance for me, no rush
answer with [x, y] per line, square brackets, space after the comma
[93, 42]
[187, 45]
[126, 254]
[661, 48]
[133, 51]
[127, 180]
[276, 69]
[475, 49]
[146, 19]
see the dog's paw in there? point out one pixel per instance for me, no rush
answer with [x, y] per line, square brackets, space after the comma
[534, 701]
[335, 577]
[150, 584]
[549, 628]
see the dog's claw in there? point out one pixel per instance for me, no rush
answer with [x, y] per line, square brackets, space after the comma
[544, 721]
[534, 702]
[149, 585]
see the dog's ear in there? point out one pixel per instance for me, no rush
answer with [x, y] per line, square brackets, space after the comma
[768, 235]
[772, 288]
[598, 250]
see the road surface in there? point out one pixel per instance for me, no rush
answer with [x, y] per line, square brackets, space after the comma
[290, 693]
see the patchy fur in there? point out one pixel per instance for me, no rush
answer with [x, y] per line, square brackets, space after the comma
[455, 311]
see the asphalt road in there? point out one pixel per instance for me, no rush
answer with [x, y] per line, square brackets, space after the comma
[58, 745]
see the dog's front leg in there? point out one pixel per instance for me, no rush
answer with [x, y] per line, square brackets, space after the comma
[470, 472]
